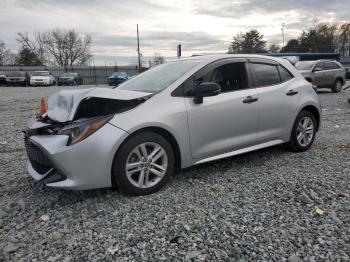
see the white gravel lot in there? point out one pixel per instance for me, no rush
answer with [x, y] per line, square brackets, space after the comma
[257, 206]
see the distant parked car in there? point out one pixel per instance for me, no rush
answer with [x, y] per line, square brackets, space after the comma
[2, 78]
[347, 73]
[17, 78]
[117, 78]
[324, 73]
[42, 78]
[69, 78]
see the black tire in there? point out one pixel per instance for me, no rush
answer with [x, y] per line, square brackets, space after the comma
[293, 143]
[119, 177]
[338, 86]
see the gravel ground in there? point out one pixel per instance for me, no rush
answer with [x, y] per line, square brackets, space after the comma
[257, 206]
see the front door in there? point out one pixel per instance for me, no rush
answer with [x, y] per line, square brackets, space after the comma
[225, 122]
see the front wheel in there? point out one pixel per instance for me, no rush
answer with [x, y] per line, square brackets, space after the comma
[303, 132]
[338, 85]
[144, 164]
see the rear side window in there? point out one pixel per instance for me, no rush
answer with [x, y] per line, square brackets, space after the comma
[284, 74]
[331, 65]
[265, 74]
[321, 66]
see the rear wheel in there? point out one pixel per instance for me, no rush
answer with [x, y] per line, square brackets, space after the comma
[303, 132]
[338, 85]
[144, 164]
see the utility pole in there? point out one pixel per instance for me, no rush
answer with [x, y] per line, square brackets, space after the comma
[138, 48]
[283, 25]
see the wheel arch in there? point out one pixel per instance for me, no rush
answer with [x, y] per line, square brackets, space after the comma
[313, 110]
[341, 79]
[160, 131]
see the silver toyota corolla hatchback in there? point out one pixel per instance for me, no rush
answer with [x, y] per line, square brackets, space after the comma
[175, 115]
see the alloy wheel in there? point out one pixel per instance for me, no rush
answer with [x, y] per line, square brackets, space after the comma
[305, 131]
[146, 165]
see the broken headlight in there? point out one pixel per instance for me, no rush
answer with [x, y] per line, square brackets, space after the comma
[80, 130]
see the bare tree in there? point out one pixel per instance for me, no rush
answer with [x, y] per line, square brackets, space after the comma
[344, 39]
[59, 47]
[36, 46]
[3, 52]
[6, 57]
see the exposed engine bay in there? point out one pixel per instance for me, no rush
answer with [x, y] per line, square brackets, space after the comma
[70, 111]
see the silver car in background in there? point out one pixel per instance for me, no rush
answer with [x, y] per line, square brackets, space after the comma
[324, 73]
[175, 115]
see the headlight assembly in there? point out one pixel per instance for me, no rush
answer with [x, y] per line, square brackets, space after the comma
[81, 130]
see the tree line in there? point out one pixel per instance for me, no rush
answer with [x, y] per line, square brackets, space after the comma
[323, 37]
[67, 47]
[54, 47]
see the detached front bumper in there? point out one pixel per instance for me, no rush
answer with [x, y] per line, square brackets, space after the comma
[85, 165]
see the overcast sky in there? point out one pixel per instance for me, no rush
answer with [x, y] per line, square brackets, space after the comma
[201, 26]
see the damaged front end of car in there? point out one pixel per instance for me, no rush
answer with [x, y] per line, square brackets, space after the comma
[69, 120]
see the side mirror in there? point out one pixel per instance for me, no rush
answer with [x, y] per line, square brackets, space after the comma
[204, 90]
[317, 69]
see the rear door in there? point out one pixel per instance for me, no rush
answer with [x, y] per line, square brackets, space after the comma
[332, 71]
[225, 122]
[278, 99]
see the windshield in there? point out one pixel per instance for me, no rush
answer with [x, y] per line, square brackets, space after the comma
[69, 74]
[40, 73]
[158, 78]
[304, 65]
[16, 74]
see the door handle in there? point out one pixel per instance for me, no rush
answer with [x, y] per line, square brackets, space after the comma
[292, 92]
[250, 99]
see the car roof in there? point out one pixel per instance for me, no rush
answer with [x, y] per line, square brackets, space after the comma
[212, 58]
[319, 60]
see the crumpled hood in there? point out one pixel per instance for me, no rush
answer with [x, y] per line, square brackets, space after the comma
[63, 105]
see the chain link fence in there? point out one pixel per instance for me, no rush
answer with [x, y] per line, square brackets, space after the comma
[92, 75]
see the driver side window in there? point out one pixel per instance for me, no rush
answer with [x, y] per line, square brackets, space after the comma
[230, 77]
